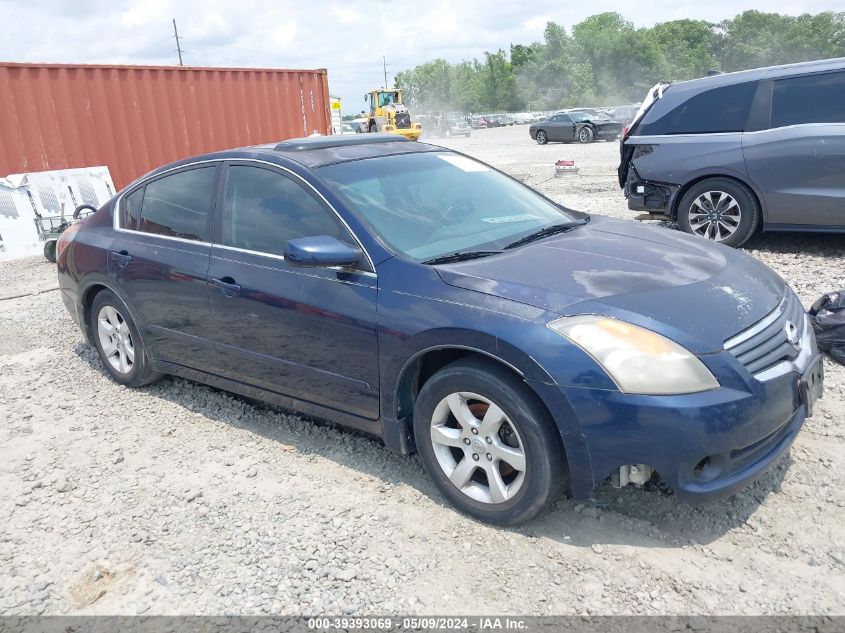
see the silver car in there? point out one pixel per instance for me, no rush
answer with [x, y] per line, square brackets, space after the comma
[730, 154]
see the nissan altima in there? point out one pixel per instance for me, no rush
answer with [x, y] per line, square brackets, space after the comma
[523, 349]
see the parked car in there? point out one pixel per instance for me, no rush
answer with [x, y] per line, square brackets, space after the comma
[478, 123]
[459, 128]
[428, 299]
[574, 126]
[624, 114]
[729, 154]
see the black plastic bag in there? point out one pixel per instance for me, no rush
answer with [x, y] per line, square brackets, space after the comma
[828, 318]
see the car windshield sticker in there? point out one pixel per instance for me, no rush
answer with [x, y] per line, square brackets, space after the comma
[510, 218]
[463, 163]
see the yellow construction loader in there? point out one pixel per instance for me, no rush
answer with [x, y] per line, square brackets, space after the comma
[388, 114]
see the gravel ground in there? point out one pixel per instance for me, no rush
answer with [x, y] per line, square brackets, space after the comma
[178, 498]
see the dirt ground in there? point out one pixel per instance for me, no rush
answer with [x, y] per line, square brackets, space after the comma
[178, 498]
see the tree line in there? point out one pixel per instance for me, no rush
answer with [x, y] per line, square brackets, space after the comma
[604, 60]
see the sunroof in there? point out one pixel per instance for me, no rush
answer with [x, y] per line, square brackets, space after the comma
[323, 142]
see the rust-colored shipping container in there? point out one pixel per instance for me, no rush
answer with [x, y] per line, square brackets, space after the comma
[135, 118]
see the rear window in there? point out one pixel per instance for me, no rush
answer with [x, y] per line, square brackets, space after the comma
[723, 109]
[809, 99]
[178, 205]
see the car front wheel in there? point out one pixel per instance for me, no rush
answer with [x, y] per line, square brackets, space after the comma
[488, 443]
[585, 135]
[542, 137]
[721, 210]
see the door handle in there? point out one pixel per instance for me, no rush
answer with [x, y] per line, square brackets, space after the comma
[227, 286]
[121, 259]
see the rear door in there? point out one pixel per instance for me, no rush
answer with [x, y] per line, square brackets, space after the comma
[159, 258]
[798, 159]
[309, 333]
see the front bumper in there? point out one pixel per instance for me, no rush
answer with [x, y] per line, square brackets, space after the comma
[409, 133]
[705, 446]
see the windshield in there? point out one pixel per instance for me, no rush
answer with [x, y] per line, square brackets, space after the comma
[429, 204]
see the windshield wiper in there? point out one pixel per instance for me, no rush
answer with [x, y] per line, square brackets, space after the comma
[554, 229]
[460, 256]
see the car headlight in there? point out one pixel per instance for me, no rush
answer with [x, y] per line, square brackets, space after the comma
[638, 360]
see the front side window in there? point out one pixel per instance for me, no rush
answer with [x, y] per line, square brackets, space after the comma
[264, 209]
[809, 99]
[723, 109]
[178, 205]
[429, 204]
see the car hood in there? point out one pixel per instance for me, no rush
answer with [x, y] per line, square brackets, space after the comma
[701, 293]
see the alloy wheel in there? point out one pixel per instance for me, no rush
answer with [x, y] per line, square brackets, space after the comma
[115, 339]
[714, 215]
[478, 447]
[541, 137]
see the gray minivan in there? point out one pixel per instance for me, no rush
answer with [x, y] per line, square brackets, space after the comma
[728, 154]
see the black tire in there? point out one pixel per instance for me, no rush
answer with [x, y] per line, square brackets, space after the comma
[140, 373]
[585, 134]
[542, 137]
[83, 207]
[749, 209]
[50, 251]
[545, 474]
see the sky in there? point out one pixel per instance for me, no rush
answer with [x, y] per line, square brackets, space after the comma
[347, 38]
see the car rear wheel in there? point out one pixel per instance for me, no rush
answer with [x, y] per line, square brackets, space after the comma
[721, 210]
[542, 137]
[488, 444]
[118, 343]
[585, 135]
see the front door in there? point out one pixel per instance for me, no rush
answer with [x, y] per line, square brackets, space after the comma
[562, 128]
[160, 257]
[799, 161]
[308, 333]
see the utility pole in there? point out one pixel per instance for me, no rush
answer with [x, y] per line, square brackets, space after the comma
[178, 46]
[384, 63]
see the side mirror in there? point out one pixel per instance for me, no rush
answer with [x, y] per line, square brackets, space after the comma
[321, 251]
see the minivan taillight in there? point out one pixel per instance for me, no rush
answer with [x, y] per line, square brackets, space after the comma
[66, 238]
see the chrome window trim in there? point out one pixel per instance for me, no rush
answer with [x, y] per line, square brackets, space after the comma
[283, 259]
[221, 161]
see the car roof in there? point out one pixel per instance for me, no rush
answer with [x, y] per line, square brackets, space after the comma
[768, 72]
[313, 152]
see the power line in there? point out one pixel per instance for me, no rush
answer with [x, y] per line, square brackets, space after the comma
[178, 46]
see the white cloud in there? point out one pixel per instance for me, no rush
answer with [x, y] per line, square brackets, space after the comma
[347, 38]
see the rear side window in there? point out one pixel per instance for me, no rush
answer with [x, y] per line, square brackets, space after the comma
[723, 109]
[178, 205]
[264, 209]
[809, 99]
[131, 209]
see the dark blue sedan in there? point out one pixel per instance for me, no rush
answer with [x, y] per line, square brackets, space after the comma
[522, 348]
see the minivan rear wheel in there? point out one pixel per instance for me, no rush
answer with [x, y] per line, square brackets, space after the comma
[487, 443]
[719, 209]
